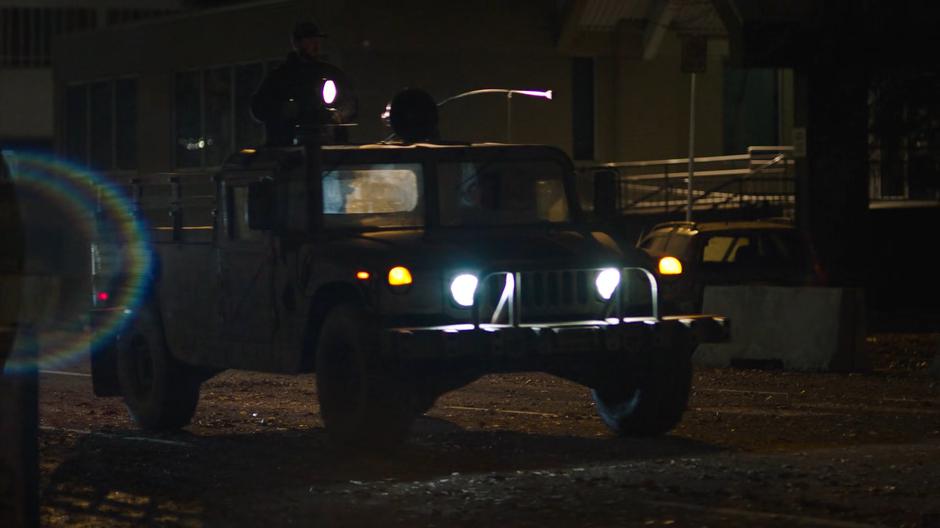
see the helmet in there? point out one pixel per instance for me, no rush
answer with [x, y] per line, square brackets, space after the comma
[412, 114]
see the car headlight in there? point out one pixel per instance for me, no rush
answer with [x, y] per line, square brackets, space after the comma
[462, 288]
[329, 91]
[670, 266]
[399, 276]
[606, 282]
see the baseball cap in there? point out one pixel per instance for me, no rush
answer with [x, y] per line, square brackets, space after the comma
[306, 29]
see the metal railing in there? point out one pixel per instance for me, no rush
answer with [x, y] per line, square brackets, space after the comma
[762, 177]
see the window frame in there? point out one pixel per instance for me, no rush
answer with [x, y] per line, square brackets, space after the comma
[202, 72]
[86, 87]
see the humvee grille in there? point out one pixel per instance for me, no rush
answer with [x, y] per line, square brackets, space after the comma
[557, 295]
[554, 288]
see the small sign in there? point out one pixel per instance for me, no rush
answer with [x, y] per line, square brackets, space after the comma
[694, 54]
[799, 142]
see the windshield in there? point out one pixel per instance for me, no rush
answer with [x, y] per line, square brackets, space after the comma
[376, 196]
[502, 193]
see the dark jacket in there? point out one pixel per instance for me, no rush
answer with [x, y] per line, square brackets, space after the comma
[290, 96]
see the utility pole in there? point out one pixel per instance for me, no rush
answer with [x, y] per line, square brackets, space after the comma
[688, 207]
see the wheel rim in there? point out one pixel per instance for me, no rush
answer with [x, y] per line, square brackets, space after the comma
[621, 402]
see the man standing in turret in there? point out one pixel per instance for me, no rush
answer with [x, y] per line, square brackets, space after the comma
[292, 95]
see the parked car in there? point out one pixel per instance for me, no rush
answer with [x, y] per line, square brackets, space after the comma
[689, 256]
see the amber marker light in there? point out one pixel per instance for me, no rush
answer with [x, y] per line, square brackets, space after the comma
[363, 275]
[248, 151]
[399, 276]
[670, 266]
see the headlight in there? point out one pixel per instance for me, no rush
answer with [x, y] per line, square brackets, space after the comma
[607, 281]
[670, 266]
[462, 289]
[329, 92]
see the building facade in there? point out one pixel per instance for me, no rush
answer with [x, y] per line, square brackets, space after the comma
[173, 94]
[27, 30]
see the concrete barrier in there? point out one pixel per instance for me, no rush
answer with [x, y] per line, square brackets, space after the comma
[796, 328]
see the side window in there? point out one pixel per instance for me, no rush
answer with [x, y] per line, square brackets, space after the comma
[744, 249]
[717, 248]
[727, 248]
[783, 249]
[494, 192]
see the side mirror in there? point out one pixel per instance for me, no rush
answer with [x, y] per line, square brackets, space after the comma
[606, 194]
[262, 213]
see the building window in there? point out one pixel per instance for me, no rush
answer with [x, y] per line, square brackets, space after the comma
[101, 124]
[247, 78]
[76, 127]
[212, 114]
[125, 120]
[190, 142]
[219, 125]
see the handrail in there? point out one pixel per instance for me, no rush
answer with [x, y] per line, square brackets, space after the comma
[764, 173]
[675, 161]
[750, 174]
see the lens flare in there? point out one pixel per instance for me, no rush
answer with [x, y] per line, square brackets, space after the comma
[81, 202]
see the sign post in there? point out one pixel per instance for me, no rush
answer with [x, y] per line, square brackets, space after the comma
[694, 61]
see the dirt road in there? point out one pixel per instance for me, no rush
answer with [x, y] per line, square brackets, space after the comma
[755, 448]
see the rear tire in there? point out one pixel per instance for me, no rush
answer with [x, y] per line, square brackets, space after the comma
[160, 392]
[363, 401]
[652, 404]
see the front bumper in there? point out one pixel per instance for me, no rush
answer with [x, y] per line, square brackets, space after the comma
[630, 337]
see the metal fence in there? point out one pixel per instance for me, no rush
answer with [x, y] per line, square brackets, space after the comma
[762, 177]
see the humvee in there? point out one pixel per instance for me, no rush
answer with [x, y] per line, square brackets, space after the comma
[396, 272]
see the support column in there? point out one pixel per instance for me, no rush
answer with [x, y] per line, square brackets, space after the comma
[832, 178]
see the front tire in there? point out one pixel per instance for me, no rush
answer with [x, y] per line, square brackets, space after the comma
[363, 401]
[160, 392]
[651, 404]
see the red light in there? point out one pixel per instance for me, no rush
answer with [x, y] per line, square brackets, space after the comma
[103, 296]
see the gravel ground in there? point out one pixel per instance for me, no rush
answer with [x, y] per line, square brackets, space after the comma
[755, 448]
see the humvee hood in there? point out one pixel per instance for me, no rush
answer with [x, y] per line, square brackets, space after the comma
[494, 248]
